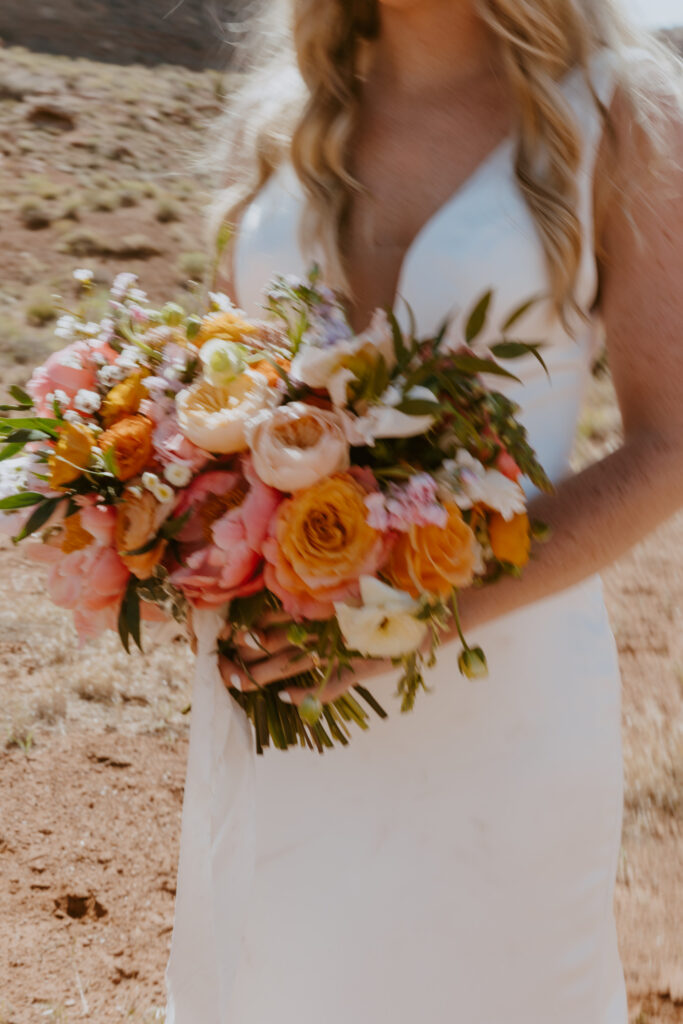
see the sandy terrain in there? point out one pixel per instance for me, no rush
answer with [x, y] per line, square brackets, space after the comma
[93, 743]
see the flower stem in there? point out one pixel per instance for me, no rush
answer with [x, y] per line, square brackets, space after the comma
[456, 616]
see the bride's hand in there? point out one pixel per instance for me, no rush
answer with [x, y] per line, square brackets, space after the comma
[267, 656]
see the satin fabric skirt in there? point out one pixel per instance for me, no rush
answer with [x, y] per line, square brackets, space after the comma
[452, 864]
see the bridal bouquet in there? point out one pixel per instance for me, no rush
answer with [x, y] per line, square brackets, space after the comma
[350, 483]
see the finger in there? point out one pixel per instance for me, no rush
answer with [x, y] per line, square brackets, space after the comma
[334, 688]
[275, 618]
[280, 666]
[255, 644]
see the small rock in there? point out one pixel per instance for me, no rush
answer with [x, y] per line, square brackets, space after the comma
[51, 113]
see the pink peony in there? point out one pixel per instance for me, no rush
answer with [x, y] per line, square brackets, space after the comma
[227, 567]
[70, 370]
[171, 446]
[90, 581]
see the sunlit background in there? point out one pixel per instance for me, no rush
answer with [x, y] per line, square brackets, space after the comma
[657, 12]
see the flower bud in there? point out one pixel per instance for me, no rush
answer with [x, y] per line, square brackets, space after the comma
[472, 663]
[540, 531]
[297, 635]
[310, 709]
[192, 327]
[172, 314]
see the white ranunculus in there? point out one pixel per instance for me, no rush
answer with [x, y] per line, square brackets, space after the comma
[215, 418]
[222, 361]
[385, 625]
[469, 482]
[315, 365]
[296, 445]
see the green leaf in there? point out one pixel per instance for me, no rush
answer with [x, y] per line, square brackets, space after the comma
[477, 317]
[420, 407]
[172, 527]
[515, 349]
[23, 500]
[21, 396]
[38, 518]
[472, 365]
[129, 615]
[11, 449]
[24, 436]
[109, 460]
[400, 350]
[44, 424]
[518, 313]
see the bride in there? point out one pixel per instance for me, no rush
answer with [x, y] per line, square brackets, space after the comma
[458, 863]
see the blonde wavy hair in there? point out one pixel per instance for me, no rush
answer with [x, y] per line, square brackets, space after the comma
[301, 97]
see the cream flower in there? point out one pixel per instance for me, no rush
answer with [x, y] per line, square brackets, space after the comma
[318, 365]
[384, 419]
[468, 482]
[297, 445]
[222, 361]
[214, 418]
[386, 624]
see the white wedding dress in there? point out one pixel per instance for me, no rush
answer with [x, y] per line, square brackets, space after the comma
[455, 864]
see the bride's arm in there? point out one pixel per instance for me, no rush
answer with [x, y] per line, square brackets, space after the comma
[599, 513]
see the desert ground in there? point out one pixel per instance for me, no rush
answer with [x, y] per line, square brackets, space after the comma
[102, 167]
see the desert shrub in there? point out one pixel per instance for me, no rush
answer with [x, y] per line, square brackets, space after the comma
[40, 307]
[167, 211]
[193, 265]
[34, 215]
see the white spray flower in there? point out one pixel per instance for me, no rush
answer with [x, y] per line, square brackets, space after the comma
[87, 401]
[385, 625]
[178, 474]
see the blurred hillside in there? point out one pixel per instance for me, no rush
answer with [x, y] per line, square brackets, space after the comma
[187, 32]
[193, 33]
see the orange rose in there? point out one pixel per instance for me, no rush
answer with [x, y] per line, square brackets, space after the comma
[320, 545]
[428, 559]
[124, 398]
[131, 441]
[139, 517]
[74, 536]
[510, 539]
[71, 455]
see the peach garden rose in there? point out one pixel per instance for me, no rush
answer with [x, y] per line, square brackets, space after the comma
[297, 445]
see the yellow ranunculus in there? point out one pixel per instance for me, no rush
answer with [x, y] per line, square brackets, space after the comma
[124, 398]
[510, 539]
[226, 325]
[71, 455]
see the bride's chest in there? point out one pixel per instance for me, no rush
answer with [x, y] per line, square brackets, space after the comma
[482, 237]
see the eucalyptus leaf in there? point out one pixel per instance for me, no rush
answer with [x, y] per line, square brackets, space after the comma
[11, 449]
[421, 407]
[519, 312]
[400, 350]
[21, 396]
[472, 365]
[515, 349]
[24, 436]
[477, 318]
[47, 425]
[23, 500]
[38, 518]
